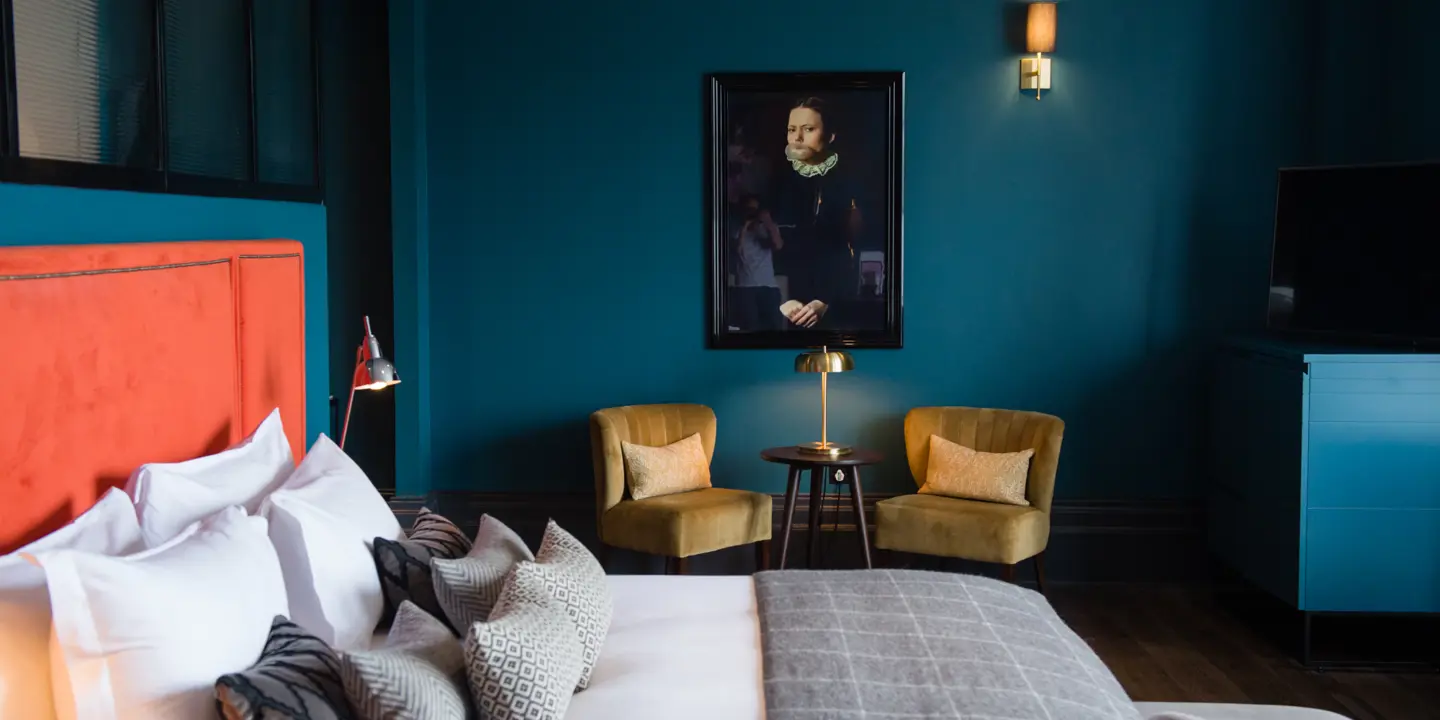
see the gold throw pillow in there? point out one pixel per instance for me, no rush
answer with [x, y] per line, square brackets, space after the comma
[678, 467]
[958, 471]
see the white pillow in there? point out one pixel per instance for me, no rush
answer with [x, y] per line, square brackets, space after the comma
[171, 496]
[146, 636]
[108, 528]
[322, 522]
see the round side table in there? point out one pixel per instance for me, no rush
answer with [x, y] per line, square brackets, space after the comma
[820, 467]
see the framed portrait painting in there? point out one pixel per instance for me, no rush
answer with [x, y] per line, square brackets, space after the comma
[803, 209]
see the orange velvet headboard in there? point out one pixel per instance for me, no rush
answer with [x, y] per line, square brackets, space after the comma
[112, 356]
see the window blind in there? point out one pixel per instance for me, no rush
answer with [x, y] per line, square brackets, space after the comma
[207, 88]
[84, 80]
[163, 96]
[284, 92]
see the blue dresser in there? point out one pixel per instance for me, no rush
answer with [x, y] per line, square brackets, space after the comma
[1326, 484]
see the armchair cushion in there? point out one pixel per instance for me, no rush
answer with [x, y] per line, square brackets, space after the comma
[936, 525]
[689, 523]
[681, 466]
[960, 472]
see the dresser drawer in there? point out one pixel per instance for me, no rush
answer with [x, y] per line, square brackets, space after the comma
[1374, 407]
[1372, 561]
[1400, 367]
[1373, 465]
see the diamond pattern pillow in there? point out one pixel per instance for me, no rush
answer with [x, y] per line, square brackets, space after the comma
[418, 674]
[467, 588]
[524, 663]
[404, 565]
[296, 678]
[575, 579]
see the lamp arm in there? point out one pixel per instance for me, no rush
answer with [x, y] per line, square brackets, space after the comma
[345, 429]
[359, 358]
[1039, 57]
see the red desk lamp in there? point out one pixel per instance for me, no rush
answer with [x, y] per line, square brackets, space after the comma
[372, 372]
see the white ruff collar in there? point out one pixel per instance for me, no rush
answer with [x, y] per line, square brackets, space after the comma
[808, 170]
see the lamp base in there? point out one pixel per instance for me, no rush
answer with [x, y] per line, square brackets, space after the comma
[825, 448]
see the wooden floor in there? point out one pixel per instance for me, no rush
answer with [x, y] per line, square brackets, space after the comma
[1170, 644]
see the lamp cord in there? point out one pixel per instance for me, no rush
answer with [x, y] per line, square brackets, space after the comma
[835, 522]
[825, 539]
[824, 497]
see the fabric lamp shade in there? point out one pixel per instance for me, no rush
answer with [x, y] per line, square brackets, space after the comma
[1040, 28]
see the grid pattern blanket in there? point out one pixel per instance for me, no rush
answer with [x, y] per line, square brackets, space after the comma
[892, 644]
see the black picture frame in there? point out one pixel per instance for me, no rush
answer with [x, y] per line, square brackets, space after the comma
[880, 97]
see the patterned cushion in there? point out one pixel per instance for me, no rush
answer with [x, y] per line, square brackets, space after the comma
[296, 678]
[525, 661]
[678, 467]
[404, 565]
[418, 674]
[467, 588]
[958, 471]
[574, 578]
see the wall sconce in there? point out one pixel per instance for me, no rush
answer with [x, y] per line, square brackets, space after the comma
[1039, 39]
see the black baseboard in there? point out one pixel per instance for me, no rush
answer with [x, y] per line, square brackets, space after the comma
[1090, 541]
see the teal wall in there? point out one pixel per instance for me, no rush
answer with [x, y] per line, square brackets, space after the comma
[1373, 61]
[1077, 256]
[355, 137]
[43, 215]
[1416, 110]
[410, 245]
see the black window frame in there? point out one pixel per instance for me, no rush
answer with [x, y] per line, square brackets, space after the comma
[15, 168]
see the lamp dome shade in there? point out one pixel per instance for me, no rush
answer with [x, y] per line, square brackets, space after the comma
[824, 361]
[376, 374]
[1040, 28]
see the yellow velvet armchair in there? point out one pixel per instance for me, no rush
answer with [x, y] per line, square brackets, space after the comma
[675, 526]
[970, 529]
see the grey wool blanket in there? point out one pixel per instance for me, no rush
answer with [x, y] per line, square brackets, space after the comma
[892, 644]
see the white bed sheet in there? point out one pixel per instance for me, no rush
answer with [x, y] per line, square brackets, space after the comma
[689, 647]
[1224, 711]
[679, 647]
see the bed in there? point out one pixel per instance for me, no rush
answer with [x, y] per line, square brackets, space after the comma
[689, 646]
[167, 351]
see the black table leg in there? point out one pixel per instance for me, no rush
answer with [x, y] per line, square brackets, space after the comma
[791, 489]
[857, 503]
[817, 498]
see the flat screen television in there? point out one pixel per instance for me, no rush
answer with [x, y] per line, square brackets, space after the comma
[1357, 253]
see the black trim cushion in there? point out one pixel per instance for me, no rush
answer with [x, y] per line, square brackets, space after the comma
[404, 565]
[296, 678]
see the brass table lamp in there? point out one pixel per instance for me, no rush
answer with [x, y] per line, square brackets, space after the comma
[824, 362]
